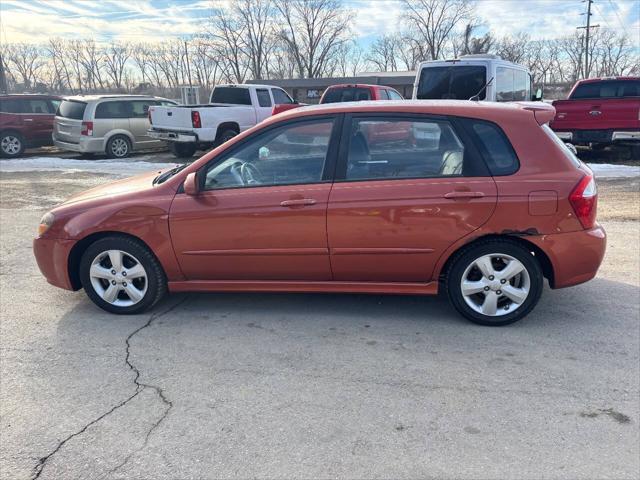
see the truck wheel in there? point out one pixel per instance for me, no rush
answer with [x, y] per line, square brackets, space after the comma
[118, 146]
[11, 145]
[225, 135]
[182, 150]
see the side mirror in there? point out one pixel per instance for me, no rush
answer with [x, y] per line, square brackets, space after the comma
[538, 96]
[191, 186]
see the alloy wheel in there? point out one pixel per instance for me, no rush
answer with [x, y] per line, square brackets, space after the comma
[119, 147]
[118, 278]
[11, 145]
[495, 284]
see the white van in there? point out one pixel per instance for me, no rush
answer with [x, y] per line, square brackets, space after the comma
[482, 77]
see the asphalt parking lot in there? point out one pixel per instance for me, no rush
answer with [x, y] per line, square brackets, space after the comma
[314, 386]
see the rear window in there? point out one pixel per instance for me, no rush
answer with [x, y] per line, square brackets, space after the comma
[452, 82]
[231, 95]
[337, 95]
[608, 89]
[71, 109]
[495, 147]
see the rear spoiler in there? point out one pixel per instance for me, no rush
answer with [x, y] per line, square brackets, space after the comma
[543, 112]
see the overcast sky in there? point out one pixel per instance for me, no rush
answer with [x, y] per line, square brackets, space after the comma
[154, 20]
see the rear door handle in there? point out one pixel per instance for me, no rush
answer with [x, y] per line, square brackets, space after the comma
[454, 195]
[298, 202]
[28, 119]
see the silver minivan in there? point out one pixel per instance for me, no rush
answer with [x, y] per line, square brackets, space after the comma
[112, 124]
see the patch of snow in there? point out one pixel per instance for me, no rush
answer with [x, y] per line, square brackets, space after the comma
[123, 168]
[608, 170]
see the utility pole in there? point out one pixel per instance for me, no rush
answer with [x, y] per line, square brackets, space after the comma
[587, 28]
[186, 56]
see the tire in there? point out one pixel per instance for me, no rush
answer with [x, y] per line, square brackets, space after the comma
[501, 253]
[182, 150]
[11, 145]
[224, 136]
[118, 146]
[634, 150]
[96, 277]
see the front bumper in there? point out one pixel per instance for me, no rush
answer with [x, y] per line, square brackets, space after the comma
[172, 136]
[575, 256]
[52, 256]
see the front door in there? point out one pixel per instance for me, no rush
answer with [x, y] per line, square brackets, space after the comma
[261, 214]
[396, 206]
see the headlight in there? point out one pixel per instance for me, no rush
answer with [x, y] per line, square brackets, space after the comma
[45, 223]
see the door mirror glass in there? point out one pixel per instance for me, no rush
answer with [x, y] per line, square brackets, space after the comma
[538, 96]
[191, 184]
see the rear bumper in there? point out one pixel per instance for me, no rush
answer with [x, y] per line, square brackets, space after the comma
[52, 256]
[173, 136]
[599, 136]
[575, 256]
[85, 145]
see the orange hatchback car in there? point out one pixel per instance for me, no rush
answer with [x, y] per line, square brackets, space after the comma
[480, 200]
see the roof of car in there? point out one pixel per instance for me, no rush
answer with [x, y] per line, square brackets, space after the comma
[463, 108]
[29, 95]
[356, 85]
[602, 79]
[93, 97]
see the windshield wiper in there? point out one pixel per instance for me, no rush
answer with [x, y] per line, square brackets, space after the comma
[163, 177]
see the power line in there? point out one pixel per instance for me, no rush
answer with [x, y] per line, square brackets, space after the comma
[615, 10]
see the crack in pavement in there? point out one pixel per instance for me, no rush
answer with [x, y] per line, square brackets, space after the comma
[39, 468]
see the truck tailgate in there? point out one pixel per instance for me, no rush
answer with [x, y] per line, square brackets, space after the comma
[171, 118]
[597, 114]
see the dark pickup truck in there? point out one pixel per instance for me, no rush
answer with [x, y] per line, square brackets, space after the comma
[600, 112]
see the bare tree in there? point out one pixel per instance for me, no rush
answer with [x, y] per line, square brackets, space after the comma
[434, 21]
[26, 59]
[115, 60]
[384, 53]
[614, 55]
[513, 48]
[257, 19]
[470, 45]
[313, 32]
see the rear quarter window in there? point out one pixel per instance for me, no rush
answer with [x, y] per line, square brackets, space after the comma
[71, 109]
[12, 105]
[497, 151]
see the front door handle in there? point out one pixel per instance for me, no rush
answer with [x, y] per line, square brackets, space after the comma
[28, 119]
[298, 202]
[459, 194]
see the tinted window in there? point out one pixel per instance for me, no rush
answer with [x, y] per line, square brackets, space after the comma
[54, 104]
[264, 100]
[13, 105]
[384, 95]
[71, 109]
[608, 89]
[393, 95]
[280, 97]
[403, 148]
[231, 95]
[140, 108]
[521, 85]
[293, 154]
[495, 148]
[114, 110]
[336, 95]
[461, 82]
[512, 85]
[37, 105]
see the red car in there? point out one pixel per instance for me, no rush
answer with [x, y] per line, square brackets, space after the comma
[26, 121]
[487, 210]
[599, 112]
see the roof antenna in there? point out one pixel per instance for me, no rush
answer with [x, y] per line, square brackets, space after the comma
[476, 97]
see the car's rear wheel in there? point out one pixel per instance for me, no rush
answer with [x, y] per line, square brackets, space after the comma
[182, 150]
[118, 146]
[11, 145]
[121, 275]
[495, 282]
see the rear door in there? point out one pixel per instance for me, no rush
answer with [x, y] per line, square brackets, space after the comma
[396, 206]
[139, 123]
[263, 103]
[112, 116]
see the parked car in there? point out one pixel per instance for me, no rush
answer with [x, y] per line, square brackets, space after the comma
[348, 93]
[481, 77]
[233, 109]
[600, 112]
[485, 213]
[26, 121]
[112, 124]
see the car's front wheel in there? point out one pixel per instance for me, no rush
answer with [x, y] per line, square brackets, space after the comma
[11, 145]
[121, 275]
[495, 282]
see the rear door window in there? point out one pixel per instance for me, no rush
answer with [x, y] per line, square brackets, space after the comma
[231, 95]
[71, 109]
[264, 99]
[495, 147]
[13, 105]
[117, 109]
[351, 94]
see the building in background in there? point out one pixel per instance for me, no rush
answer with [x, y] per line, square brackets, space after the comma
[309, 90]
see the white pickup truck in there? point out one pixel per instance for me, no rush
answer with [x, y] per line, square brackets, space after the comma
[233, 109]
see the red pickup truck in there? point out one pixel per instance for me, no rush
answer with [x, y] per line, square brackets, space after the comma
[599, 112]
[26, 121]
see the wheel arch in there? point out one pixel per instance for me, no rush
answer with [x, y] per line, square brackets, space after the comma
[538, 253]
[227, 126]
[75, 255]
[119, 132]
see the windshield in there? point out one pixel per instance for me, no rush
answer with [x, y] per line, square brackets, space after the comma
[232, 95]
[459, 82]
[71, 109]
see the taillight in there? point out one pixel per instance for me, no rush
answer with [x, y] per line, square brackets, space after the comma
[87, 129]
[584, 200]
[195, 119]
